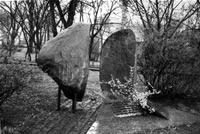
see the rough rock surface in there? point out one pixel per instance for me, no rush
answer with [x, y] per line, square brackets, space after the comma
[65, 58]
[117, 56]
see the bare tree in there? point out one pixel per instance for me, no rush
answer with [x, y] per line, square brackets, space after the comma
[159, 16]
[100, 19]
[9, 26]
[33, 15]
[53, 19]
[41, 17]
[165, 55]
[69, 10]
[124, 8]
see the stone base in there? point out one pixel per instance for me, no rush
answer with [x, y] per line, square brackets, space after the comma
[107, 122]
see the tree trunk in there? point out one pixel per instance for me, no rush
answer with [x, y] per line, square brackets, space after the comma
[57, 2]
[31, 25]
[71, 12]
[53, 22]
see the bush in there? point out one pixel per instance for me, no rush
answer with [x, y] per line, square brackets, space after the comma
[13, 78]
[172, 65]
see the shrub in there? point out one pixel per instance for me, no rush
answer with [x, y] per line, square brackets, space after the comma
[171, 66]
[13, 78]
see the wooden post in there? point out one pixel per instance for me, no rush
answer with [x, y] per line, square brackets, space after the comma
[74, 103]
[59, 98]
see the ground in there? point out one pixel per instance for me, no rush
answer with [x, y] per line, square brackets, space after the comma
[39, 100]
[33, 106]
[182, 119]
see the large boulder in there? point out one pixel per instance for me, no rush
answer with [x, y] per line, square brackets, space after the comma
[117, 56]
[66, 59]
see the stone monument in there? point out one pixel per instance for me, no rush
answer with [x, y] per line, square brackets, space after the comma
[66, 59]
[118, 54]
